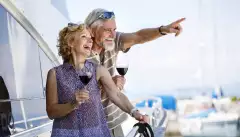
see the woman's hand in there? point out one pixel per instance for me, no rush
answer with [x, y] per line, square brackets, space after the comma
[81, 96]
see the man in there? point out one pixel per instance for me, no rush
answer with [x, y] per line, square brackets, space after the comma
[106, 45]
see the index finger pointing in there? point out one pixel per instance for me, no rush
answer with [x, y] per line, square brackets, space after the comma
[179, 21]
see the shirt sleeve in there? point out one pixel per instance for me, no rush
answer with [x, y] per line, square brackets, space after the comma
[119, 44]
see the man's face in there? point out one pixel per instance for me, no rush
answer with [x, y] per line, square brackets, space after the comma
[105, 34]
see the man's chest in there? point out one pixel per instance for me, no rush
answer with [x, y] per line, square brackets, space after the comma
[106, 59]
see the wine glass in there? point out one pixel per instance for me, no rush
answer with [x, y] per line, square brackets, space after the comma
[85, 77]
[122, 64]
[122, 70]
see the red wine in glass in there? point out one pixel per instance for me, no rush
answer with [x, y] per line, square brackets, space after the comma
[85, 79]
[86, 76]
[122, 70]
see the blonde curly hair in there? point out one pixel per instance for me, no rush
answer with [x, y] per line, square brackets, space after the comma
[65, 35]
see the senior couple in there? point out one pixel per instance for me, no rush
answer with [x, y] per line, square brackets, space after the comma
[83, 96]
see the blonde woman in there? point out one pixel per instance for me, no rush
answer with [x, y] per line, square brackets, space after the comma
[74, 104]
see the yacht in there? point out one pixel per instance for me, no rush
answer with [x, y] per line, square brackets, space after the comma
[198, 119]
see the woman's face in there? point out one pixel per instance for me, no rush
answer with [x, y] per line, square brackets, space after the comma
[82, 43]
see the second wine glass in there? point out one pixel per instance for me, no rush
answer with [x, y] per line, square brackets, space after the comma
[122, 64]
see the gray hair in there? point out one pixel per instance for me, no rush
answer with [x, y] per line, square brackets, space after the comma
[94, 16]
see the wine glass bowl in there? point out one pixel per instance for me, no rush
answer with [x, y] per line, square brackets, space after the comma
[122, 64]
[122, 70]
[85, 79]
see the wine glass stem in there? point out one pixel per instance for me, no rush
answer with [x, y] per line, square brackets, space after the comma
[85, 87]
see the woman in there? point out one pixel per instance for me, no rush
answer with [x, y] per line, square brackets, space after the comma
[76, 108]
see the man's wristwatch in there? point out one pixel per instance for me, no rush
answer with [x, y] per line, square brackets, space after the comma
[133, 111]
[160, 31]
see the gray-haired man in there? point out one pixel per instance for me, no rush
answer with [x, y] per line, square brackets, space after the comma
[106, 45]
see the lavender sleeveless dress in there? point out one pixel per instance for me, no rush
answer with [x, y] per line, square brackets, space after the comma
[89, 119]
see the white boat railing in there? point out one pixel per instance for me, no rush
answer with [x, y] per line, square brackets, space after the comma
[29, 131]
[132, 133]
[33, 132]
[21, 99]
[159, 130]
[32, 119]
[157, 122]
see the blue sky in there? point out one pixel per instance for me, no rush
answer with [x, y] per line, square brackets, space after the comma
[205, 54]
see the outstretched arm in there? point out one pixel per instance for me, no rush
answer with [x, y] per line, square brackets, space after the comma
[149, 34]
